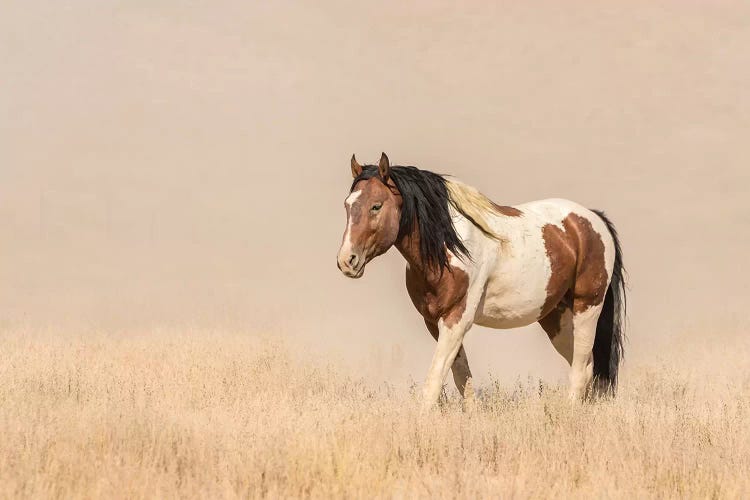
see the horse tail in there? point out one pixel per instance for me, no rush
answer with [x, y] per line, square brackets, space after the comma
[610, 329]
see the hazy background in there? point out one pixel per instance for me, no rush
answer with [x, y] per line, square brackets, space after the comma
[170, 164]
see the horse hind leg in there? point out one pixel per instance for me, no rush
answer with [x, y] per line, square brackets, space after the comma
[558, 325]
[461, 371]
[582, 365]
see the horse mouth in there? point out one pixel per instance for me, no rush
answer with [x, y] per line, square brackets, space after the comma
[356, 274]
[353, 273]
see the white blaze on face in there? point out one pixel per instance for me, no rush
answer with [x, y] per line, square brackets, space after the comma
[346, 245]
[353, 197]
[349, 202]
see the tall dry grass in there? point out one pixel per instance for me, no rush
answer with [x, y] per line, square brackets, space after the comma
[222, 415]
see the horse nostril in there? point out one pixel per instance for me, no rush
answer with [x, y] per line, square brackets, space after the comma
[352, 260]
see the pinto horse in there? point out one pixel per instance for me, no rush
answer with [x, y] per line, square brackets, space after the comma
[470, 261]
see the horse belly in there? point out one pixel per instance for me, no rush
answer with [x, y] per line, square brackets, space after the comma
[507, 312]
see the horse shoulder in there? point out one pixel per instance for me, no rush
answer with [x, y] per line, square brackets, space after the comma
[439, 295]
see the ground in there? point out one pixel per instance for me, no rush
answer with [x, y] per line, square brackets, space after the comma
[226, 415]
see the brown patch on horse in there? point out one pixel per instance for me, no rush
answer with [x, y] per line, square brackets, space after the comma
[591, 274]
[432, 328]
[506, 210]
[552, 322]
[576, 254]
[436, 294]
[561, 251]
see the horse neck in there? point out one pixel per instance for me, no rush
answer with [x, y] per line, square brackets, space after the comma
[409, 248]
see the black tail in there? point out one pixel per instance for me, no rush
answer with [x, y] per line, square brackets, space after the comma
[610, 329]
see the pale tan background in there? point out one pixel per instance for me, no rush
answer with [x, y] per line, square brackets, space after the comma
[170, 164]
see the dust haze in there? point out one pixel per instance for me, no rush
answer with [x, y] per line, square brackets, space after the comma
[173, 164]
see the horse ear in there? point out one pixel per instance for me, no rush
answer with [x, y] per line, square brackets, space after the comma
[356, 168]
[384, 167]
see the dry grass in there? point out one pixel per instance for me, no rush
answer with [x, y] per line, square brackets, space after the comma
[223, 415]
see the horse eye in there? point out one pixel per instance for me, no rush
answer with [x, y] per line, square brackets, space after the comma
[377, 207]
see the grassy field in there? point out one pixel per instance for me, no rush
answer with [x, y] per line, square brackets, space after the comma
[224, 415]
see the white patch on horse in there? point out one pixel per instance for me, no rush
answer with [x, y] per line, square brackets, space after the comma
[455, 261]
[582, 367]
[449, 342]
[353, 197]
[520, 269]
[347, 244]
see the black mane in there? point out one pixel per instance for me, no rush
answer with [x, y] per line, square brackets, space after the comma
[426, 203]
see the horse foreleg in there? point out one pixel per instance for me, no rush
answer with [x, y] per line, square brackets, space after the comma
[449, 343]
[460, 368]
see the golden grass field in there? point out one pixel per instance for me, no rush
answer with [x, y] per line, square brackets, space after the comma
[201, 415]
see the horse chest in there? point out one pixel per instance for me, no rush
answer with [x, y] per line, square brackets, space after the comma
[438, 296]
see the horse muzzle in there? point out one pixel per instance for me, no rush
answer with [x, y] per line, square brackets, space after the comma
[352, 265]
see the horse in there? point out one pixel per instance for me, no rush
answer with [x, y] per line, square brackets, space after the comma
[471, 261]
